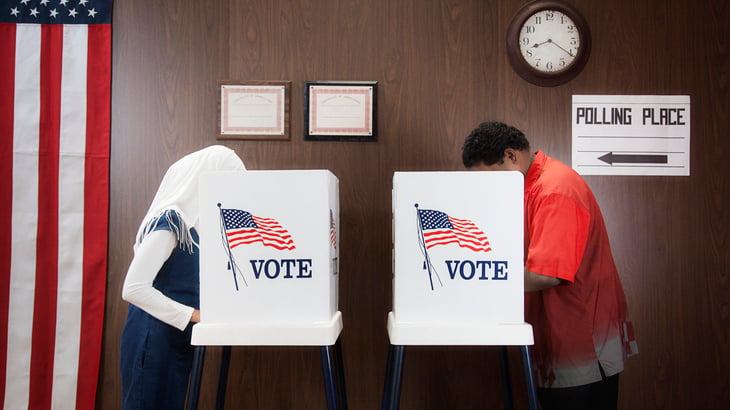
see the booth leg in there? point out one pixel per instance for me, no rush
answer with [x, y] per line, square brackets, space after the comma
[342, 391]
[332, 370]
[506, 381]
[220, 397]
[393, 377]
[195, 375]
[529, 378]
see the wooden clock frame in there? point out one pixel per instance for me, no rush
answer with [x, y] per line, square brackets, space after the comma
[523, 68]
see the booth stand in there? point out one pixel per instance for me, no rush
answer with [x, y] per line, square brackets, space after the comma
[408, 334]
[324, 335]
[269, 247]
[458, 269]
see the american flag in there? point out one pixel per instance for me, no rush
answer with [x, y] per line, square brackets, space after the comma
[438, 228]
[333, 231]
[55, 81]
[243, 228]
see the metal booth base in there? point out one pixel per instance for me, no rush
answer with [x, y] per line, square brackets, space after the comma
[403, 334]
[324, 335]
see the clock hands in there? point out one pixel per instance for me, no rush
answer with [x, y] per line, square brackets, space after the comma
[550, 41]
[536, 45]
[558, 46]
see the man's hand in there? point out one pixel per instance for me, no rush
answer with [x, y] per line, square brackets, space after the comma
[535, 282]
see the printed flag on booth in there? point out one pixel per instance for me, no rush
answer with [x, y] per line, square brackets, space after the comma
[333, 231]
[438, 228]
[55, 80]
[242, 228]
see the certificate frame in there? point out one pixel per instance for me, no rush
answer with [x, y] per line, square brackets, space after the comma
[254, 110]
[340, 110]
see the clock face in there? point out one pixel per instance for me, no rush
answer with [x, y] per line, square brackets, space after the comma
[549, 41]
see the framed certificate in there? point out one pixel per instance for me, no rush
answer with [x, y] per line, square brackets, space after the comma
[253, 110]
[340, 110]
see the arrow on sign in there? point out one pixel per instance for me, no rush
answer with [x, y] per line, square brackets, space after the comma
[612, 158]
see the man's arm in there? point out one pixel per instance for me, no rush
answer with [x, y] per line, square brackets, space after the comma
[535, 282]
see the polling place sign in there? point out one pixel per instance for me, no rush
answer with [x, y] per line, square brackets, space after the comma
[631, 134]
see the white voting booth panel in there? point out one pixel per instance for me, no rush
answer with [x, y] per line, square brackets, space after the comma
[458, 259]
[269, 246]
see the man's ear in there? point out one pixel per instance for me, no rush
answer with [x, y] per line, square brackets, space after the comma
[511, 155]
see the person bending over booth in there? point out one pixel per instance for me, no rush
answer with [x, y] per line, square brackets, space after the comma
[575, 300]
[162, 287]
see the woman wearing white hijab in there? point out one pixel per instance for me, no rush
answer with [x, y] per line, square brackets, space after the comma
[162, 287]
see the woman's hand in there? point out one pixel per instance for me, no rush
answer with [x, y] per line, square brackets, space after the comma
[195, 318]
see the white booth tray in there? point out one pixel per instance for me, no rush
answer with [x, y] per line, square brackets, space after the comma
[268, 334]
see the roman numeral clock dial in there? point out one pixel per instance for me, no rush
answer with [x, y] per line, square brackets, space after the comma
[548, 42]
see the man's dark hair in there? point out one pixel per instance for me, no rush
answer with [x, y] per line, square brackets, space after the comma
[489, 140]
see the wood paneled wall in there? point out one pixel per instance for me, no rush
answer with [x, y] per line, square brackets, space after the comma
[441, 69]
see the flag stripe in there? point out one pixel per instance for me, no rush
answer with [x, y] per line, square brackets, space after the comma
[71, 211]
[249, 236]
[7, 75]
[44, 311]
[96, 210]
[26, 108]
[469, 237]
[450, 238]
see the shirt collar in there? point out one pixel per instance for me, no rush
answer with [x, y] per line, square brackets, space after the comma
[533, 174]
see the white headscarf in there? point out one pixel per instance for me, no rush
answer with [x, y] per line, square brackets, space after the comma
[178, 190]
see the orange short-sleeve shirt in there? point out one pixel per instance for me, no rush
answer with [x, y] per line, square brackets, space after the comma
[579, 323]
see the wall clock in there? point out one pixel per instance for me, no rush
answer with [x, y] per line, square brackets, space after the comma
[548, 42]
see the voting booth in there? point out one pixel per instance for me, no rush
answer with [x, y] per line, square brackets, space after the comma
[458, 264]
[458, 259]
[268, 258]
[269, 247]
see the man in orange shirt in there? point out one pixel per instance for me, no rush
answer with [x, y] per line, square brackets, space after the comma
[574, 299]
